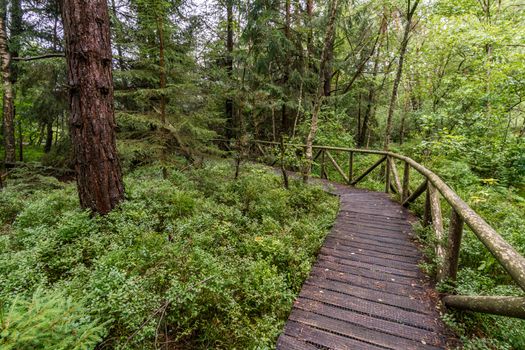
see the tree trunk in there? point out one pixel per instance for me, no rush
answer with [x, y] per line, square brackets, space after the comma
[20, 142]
[231, 125]
[285, 122]
[163, 102]
[308, 25]
[362, 135]
[8, 98]
[411, 9]
[118, 35]
[327, 88]
[330, 33]
[92, 119]
[49, 136]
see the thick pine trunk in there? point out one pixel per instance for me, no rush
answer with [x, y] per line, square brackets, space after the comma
[8, 96]
[92, 119]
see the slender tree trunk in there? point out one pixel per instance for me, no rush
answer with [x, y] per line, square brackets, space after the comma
[285, 123]
[328, 69]
[309, 39]
[8, 96]
[330, 33]
[92, 119]
[49, 136]
[20, 142]
[163, 82]
[362, 136]
[231, 125]
[118, 35]
[411, 9]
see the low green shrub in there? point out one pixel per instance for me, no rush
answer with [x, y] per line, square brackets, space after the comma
[198, 259]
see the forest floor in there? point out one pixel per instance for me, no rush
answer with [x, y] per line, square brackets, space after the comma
[198, 260]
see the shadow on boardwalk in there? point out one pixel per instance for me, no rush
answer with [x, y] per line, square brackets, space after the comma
[366, 290]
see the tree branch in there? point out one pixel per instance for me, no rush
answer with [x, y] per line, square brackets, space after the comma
[41, 57]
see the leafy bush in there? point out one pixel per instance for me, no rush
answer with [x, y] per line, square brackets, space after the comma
[197, 260]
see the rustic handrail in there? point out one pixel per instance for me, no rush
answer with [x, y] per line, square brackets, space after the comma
[448, 249]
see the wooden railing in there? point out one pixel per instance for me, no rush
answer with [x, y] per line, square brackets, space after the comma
[448, 243]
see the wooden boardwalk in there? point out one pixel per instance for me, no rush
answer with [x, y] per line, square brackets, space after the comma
[366, 290]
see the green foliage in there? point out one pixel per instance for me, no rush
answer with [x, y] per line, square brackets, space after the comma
[197, 259]
[48, 321]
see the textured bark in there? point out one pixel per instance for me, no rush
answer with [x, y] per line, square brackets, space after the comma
[402, 51]
[163, 101]
[118, 35]
[495, 305]
[330, 33]
[328, 69]
[231, 125]
[365, 128]
[8, 96]
[92, 119]
[285, 120]
[49, 136]
[455, 233]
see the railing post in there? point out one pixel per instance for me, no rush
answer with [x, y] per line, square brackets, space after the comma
[455, 232]
[406, 182]
[323, 165]
[351, 168]
[387, 175]
[427, 217]
[437, 223]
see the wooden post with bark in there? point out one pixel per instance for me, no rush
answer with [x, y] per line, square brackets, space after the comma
[8, 92]
[330, 32]
[92, 119]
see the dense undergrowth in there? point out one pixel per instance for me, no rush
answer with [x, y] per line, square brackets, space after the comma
[196, 261]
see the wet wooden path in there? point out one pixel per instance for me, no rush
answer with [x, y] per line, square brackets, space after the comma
[366, 290]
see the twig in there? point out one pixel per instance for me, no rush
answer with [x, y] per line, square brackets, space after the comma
[163, 308]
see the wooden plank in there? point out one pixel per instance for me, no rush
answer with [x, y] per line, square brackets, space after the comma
[375, 248]
[286, 342]
[350, 253]
[375, 218]
[365, 277]
[394, 328]
[387, 228]
[385, 213]
[402, 302]
[355, 331]
[369, 252]
[366, 239]
[342, 259]
[409, 269]
[392, 284]
[369, 308]
[385, 241]
[325, 339]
